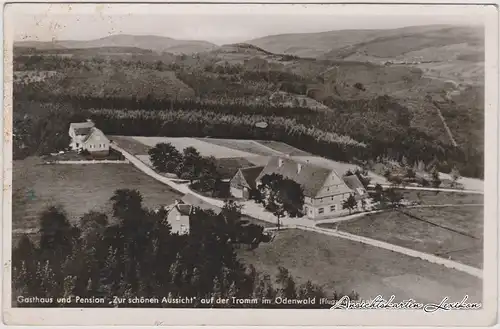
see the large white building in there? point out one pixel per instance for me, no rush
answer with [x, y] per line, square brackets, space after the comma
[85, 136]
[324, 189]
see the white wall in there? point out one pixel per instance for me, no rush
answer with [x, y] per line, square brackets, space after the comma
[236, 192]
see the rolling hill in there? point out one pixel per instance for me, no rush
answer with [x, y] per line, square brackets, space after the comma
[150, 42]
[441, 51]
[377, 43]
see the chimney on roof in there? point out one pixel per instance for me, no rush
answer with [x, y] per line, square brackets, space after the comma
[299, 167]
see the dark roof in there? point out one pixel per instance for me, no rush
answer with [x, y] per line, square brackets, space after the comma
[353, 182]
[250, 174]
[82, 128]
[184, 209]
[310, 177]
[191, 199]
[83, 131]
[228, 167]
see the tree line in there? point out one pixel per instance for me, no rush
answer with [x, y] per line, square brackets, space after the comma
[354, 131]
[134, 254]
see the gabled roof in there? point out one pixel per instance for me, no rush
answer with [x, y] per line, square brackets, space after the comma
[82, 128]
[250, 174]
[310, 177]
[96, 134]
[184, 209]
[353, 182]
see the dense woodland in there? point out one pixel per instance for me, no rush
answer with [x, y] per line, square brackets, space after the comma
[134, 254]
[357, 131]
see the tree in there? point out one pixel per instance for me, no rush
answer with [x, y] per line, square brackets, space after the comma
[93, 223]
[285, 280]
[281, 196]
[349, 203]
[378, 193]
[410, 173]
[436, 181]
[231, 213]
[208, 176]
[165, 157]
[192, 164]
[127, 203]
[393, 197]
[56, 233]
[455, 176]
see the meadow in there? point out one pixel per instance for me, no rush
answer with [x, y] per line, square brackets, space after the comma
[77, 188]
[454, 233]
[345, 265]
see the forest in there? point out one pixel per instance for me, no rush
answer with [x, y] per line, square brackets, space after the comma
[134, 254]
[356, 131]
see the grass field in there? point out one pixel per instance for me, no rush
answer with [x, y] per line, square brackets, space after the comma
[130, 145]
[283, 148]
[205, 149]
[248, 146]
[78, 188]
[342, 265]
[429, 197]
[451, 232]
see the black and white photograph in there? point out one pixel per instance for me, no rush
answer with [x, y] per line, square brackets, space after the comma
[284, 157]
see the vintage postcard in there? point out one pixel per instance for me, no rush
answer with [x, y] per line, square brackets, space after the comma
[250, 164]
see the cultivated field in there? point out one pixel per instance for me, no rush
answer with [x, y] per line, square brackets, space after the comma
[78, 188]
[450, 232]
[283, 148]
[205, 149]
[243, 145]
[342, 265]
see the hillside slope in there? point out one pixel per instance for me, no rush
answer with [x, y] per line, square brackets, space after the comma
[337, 44]
[150, 42]
[441, 51]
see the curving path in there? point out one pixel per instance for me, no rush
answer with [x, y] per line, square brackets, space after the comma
[253, 210]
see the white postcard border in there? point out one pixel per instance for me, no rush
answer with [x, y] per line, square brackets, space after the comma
[486, 316]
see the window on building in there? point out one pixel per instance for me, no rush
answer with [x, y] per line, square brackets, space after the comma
[333, 208]
[321, 210]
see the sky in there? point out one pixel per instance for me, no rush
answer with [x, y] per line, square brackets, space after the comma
[217, 25]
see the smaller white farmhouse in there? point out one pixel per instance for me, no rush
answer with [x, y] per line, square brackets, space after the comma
[85, 136]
